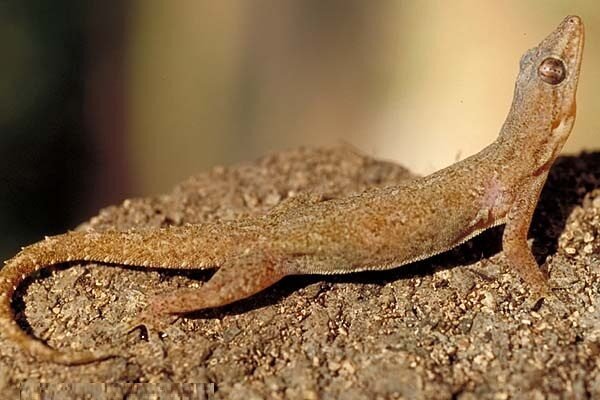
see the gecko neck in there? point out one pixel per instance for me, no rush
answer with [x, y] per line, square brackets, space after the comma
[527, 135]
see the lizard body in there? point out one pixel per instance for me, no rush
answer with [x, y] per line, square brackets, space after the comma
[378, 229]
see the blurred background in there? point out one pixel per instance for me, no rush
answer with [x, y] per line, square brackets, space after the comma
[101, 102]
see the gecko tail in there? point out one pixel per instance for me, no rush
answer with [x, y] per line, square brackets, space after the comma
[42, 352]
[144, 248]
[29, 260]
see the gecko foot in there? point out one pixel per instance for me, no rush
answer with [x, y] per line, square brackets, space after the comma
[555, 305]
[152, 319]
[542, 297]
[539, 292]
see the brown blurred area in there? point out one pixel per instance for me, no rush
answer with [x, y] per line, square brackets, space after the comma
[102, 102]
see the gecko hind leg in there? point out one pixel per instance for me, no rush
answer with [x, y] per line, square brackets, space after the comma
[236, 279]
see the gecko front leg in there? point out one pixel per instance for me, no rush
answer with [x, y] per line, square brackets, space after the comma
[514, 240]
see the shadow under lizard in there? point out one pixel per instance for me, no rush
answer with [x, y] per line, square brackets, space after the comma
[375, 230]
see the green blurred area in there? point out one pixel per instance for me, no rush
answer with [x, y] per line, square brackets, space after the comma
[44, 152]
[100, 101]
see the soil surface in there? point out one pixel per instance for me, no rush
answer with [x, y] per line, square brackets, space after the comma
[459, 325]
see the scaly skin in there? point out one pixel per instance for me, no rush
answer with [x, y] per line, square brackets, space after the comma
[377, 229]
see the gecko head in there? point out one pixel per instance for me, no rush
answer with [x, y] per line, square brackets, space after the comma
[547, 82]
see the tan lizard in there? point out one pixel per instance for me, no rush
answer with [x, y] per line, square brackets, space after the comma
[375, 230]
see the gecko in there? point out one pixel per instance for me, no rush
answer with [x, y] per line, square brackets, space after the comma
[378, 229]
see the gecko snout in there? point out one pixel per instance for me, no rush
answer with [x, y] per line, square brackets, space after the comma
[574, 20]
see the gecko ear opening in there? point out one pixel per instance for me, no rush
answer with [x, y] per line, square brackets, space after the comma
[552, 70]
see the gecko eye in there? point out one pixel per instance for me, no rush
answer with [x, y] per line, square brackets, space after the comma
[552, 71]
